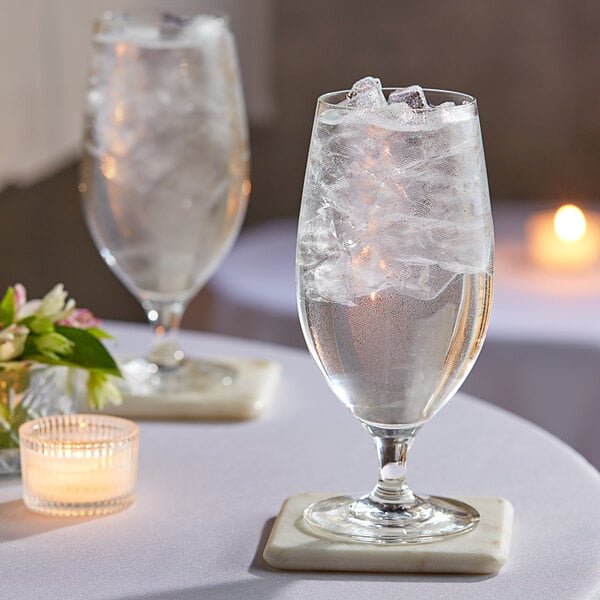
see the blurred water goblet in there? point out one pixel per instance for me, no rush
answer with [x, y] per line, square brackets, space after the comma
[164, 175]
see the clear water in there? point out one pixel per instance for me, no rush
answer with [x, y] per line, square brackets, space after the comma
[394, 359]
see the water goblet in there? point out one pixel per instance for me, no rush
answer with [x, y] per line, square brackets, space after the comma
[394, 282]
[164, 175]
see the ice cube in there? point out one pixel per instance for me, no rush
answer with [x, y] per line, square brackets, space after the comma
[332, 116]
[366, 92]
[412, 95]
[397, 199]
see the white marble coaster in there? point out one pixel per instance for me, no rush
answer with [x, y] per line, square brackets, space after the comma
[292, 546]
[246, 398]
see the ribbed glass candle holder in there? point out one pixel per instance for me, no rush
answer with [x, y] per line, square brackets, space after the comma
[78, 465]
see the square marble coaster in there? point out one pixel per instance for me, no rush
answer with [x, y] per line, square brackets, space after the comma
[292, 546]
[248, 395]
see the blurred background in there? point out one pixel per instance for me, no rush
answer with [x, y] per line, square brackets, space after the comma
[532, 67]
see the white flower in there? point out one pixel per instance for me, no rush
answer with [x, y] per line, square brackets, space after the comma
[100, 390]
[12, 341]
[53, 306]
[111, 393]
[28, 309]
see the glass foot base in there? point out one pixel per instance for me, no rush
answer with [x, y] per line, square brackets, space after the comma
[361, 520]
[144, 378]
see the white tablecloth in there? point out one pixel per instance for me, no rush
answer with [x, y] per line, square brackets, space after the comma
[208, 493]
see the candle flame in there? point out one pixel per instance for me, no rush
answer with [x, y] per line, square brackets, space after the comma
[569, 223]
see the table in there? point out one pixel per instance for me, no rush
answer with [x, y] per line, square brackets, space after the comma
[208, 494]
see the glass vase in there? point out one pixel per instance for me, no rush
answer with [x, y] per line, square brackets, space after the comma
[29, 392]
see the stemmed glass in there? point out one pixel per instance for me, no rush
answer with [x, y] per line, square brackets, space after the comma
[164, 175]
[394, 280]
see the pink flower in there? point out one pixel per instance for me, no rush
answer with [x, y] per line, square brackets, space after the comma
[82, 318]
[20, 296]
[23, 308]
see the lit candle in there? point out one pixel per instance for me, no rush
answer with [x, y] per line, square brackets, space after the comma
[565, 239]
[75, 465]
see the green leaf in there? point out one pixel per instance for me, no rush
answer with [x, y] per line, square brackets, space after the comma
[88, 353]
[8, 308]
[99, 334]
[30, 348]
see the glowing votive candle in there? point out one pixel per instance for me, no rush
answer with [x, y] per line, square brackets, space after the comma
[76, 465]
[565, 239]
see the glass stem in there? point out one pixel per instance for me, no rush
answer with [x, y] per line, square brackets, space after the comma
[165, 318]
[391, 490]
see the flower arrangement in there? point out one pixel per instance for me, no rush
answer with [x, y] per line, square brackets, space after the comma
[49, 331]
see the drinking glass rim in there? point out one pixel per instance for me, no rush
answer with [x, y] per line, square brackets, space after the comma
[469, 99]
[149, 16]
